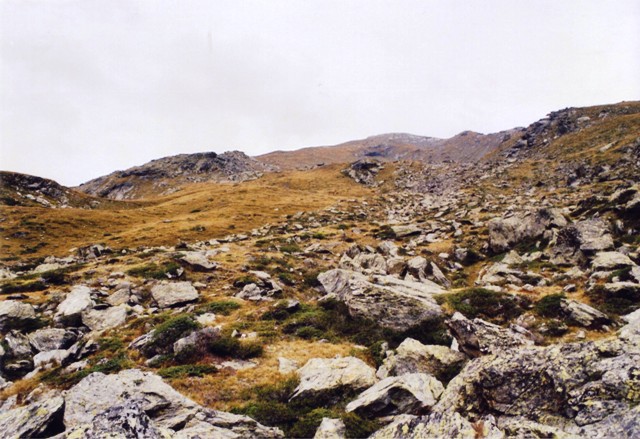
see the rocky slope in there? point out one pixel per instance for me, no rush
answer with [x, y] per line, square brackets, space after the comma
[165, 176]
[499, 299]
[465, 147]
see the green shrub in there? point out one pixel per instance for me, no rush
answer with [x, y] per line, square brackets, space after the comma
[287, 279]
[167, 333]
[549, 305]
[310, 279]
[227, 346]
[621, 302]
[223, 307]
[290, 248]
[23, 287]
[486, 304]
[357, 427]
[187, 370]
[155, 271]
[319, 235]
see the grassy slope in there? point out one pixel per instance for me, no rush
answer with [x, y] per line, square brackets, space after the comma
[218, 208]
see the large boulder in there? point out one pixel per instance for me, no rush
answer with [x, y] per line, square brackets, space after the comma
[477, 337]
[573, 386]
[49, 339]
[413, 393]
[583, 314]
[393, 303]
[97, 393]
[327, 380]
[574, 243]
[169, 294]
[198, 260]
[39, 419]
[438, 425]
[16, 315]
[122, 421]
[411, 356]
[103, 319]
[70, 311]
[611, 261]
[504, 233]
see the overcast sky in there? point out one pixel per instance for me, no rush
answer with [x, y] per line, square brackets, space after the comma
[89, 87]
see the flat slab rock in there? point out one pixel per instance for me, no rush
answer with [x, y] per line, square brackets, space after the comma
[477, 337]
[413, 393]
[168, 409]
[393, 303]
[324, 380]
[169, 294]
[411, 356]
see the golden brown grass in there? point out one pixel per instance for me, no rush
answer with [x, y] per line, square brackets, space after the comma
[198, 212]
[227, 389]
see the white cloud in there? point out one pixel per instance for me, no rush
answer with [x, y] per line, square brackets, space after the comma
[88, 87]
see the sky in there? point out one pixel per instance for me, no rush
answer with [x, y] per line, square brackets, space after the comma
[88, 87]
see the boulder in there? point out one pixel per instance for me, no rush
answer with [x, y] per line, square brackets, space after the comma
[504, 233]
[402, 231]
[411, 356]
[97, 393]
[52, 358]
[198, 260]
[413, 393]
[327, 380]
[69, 312]
[101, 320]
[437, 425]
[49, 339]
[570, 385]
[39, 419]
[121, 296]
[391, 302]
[331, 429]
[611, 261]
[583, 314]
[168, 294]
[122, 421]
[18, 358]
[364, 171]
[16, 315]
[477, 337]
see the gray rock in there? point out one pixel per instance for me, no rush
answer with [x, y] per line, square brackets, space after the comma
[69, 312]
[477, 337]
[101, 320]
[364, 171]
[392, 302]
[33, 420]
[583, 315]
[198, 260]
[436, 425]
[411, 356]
[50, 359]
[121, 296]
[402, 231]
[413, 393]
[504, 233]
[331, 429]
[564, 382]
[16, 315]
[325, 380]
[196, 340]
[49, 339]
[611, 261]
[167, 408]
[169, 294]
[123, 421]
